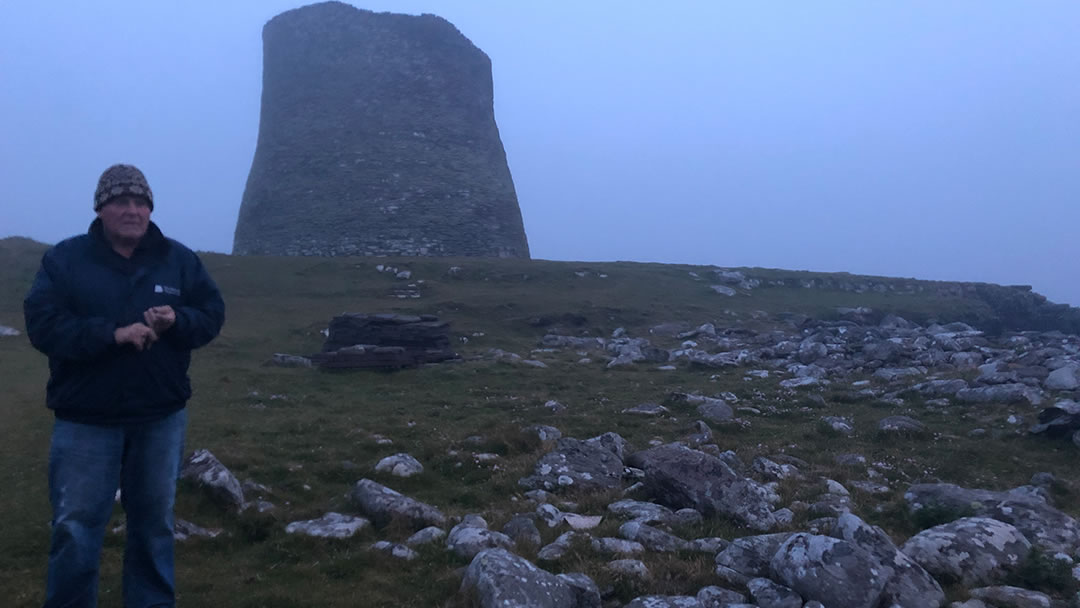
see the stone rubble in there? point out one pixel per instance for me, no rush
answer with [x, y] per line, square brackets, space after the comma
[834, 559]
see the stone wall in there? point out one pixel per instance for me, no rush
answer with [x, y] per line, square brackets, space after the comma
[377, 137]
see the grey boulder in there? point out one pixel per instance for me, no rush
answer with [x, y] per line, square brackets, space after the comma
[1011, 597]
[1039, 522]
[835, 572]
[523, 530]
[586, 593]
[941, 388]
[664, 601]
[973, 550]
[498, 578]
[653, 539]
[1001, 393]
[583, 465]
[472, 536]
[680, 477]
[716, 410]
[644, 512]
[901, 426]
[768, 594]
[751, 555]
[716, 597]
[331, 525]
[383, 505]
[204, 469]
[910, 584]
[1065, 378]
[400, 465]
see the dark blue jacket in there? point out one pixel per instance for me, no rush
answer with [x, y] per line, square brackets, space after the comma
[84, 291]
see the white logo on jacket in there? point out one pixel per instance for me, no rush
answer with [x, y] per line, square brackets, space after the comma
[172, 291]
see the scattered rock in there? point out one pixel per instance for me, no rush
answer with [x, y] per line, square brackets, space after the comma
[586, 593]
[584, 465]
[664, 601]
[204, 469]
[633, 568]
[1039, 522]
[974, 550]
[1011, 597]
[472, 536]
[653, 539]
[185, 530]
[582, 522]
[400, 465]
[717, 597]
[768, 594]
[647, 409]
[557, 548]
[544, 432]
[616, 546]
[285, 360]
[498, 579]
[1065, 378]
[643, 512]
[680, 477]
[426, 536]
[395, 550]
[836, 424]
[384, 505]
[909, 584]
[716, 410]
[522, 529]
[834, 572]
[331, 525]
[902, 426]
[750, 556]
[1001, 393]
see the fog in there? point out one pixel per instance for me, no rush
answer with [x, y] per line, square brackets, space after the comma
[926, 139]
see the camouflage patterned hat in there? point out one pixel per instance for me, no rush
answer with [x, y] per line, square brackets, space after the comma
[121, 180]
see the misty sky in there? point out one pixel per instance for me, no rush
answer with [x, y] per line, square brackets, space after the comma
[927, 139]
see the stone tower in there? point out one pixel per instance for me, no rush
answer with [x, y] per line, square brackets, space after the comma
[377, 137]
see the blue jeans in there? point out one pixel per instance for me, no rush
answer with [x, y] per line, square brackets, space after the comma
[87, 463]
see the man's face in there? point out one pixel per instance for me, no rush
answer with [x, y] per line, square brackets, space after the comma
[125, 218]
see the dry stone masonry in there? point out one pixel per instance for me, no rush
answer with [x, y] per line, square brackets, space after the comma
[383, 341]
[377, 137]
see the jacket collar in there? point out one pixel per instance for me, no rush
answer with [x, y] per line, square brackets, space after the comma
[152, 243]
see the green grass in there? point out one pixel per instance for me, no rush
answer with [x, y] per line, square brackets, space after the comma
[313, 444]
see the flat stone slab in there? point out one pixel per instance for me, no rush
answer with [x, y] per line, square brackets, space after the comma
[331, 525]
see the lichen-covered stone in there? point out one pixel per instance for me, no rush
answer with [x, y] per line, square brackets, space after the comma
[383, 505]
[679, 477]
[498, 578]
[204, 469]
[972, 550]
[331, 525]
[834, 572]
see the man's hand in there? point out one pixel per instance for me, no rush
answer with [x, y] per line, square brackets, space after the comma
[160, 318]
[138, 335]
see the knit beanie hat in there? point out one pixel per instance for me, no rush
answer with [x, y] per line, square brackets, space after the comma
[121, 180]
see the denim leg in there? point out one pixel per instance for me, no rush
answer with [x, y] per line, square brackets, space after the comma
[152, 457]
[84, 471]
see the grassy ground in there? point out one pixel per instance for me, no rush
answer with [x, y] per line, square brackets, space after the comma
[308, 434]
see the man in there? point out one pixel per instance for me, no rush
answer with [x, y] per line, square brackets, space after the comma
[118, 312]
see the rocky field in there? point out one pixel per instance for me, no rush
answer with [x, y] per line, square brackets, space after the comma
[598, 435]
